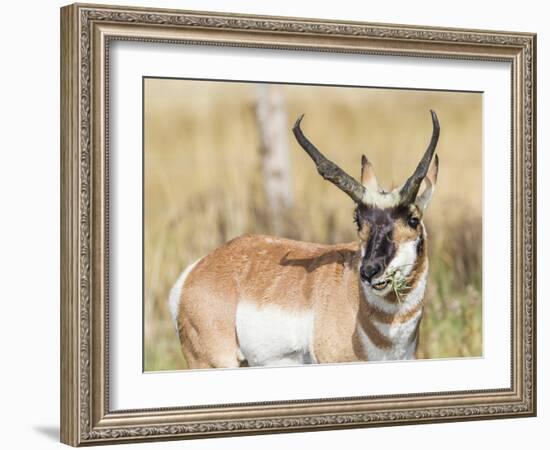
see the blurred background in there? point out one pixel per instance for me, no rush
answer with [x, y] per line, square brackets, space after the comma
[220, 160]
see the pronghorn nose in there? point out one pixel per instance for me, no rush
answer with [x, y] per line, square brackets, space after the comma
[369, 271]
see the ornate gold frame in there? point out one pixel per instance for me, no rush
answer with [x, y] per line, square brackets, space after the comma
[86, 31]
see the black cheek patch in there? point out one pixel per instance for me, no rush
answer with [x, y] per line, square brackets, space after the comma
[420, 245]
[388, 248]
[356, 218]
[380, 247]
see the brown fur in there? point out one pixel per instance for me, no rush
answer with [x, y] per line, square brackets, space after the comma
[403, 232]
[364, 232]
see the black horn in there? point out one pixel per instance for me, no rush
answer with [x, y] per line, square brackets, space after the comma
[410, 189]
[327, 169]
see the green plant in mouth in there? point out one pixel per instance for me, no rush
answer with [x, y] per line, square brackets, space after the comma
[398, 283]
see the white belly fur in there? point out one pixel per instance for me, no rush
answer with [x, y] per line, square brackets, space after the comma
[273, 336]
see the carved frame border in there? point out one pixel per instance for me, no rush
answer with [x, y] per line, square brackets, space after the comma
[86, 31]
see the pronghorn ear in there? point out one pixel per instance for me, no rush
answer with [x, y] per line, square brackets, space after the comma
[423, 199]
[368, 178]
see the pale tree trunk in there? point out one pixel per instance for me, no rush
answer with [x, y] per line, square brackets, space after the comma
[274, 131]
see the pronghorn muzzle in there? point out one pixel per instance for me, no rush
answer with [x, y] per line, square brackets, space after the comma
[379, 249]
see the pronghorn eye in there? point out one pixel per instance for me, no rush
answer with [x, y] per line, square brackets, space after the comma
[413, 222]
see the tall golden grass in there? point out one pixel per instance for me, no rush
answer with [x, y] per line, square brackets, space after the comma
[203, 187]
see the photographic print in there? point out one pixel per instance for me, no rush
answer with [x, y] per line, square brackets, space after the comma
[289, 224]
[342, 211]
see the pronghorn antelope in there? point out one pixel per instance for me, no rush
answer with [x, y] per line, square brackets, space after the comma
[263, 300]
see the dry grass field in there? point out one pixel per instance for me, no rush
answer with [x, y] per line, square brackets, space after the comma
[203, 187]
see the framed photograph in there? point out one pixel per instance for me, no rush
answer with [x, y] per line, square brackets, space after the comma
[276, 225]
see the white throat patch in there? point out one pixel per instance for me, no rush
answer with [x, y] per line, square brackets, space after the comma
[400, 334]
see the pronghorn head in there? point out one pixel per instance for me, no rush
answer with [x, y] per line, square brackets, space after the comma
[389, 222]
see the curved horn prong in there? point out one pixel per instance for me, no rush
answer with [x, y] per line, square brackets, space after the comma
[410, 189]
[327, 169]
